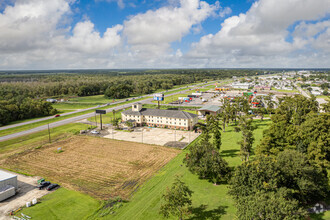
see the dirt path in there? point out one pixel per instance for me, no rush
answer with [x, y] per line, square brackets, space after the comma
[26, 192]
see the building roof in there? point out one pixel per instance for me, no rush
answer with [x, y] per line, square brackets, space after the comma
[211, 108]
[5, 175]
[161, 113]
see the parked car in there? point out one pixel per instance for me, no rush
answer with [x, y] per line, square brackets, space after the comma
[95, 132]
[57, 116]
[52, 186]
[126, 100]
[43, 184]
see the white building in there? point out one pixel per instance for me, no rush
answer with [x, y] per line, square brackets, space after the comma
[8, 185]
[160, 118]
[238, 85]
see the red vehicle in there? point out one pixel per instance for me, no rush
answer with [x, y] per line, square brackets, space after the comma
[57, 116]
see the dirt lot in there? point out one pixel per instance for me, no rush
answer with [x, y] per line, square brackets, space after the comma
[99, 167]
[158, 136]
[26, 192]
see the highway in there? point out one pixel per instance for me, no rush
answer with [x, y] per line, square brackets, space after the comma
[81, 117]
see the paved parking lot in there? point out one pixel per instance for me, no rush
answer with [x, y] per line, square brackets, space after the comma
[157, 136]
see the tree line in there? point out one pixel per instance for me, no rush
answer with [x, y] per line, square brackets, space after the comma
[18, 108]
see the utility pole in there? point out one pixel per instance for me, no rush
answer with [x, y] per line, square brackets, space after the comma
[101, 120]
[49, 134]
[95, 120]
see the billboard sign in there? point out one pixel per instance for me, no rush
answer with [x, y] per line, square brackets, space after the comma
[159, 97]
[101, 111]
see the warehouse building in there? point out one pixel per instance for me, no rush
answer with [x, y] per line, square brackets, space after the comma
[160, 118]
[8, 185]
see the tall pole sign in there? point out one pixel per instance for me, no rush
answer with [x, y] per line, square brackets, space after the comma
[101, 112]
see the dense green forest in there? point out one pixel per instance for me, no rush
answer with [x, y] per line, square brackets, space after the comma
[22, 93]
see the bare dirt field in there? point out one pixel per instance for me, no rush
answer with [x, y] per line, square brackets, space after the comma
[158, 136]
[100, 167]
[26, 192]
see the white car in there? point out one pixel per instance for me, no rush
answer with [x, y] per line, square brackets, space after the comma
[95, 132]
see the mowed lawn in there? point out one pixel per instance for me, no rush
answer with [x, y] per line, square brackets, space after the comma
[209, 201]
[63, 204]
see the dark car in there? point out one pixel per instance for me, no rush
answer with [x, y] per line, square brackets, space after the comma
[57, 116]
[52, 186]
[43, 184]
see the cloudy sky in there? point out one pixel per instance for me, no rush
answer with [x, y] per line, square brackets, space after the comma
[71, 34]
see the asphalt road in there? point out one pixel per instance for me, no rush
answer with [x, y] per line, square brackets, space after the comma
[302, 91]
[78, 118]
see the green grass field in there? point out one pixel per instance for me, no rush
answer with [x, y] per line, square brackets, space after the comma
[63, 204]
[287, 91]
[323, 97]
[40, 138]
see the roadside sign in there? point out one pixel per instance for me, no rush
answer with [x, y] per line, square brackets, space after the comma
[101, 111]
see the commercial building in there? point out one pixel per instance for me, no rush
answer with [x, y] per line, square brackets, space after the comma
[8, 185]
[237, 85]
[160, 118]
[222, 88]
[209, 110]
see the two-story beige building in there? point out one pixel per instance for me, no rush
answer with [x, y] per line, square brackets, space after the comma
[159, 117]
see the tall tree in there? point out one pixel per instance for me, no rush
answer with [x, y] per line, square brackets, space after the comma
[213, 122]
[206, 162]
[225, 114]
[246, 127]
[177, 200]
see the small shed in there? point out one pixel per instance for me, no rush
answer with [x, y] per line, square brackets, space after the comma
[209, 110]
[8, 185]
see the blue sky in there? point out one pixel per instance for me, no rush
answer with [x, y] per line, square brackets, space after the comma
[38, 34]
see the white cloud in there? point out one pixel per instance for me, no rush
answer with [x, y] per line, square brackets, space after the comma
[36, 34]
[152, 32]
[85, 39]
[260, 33]
[225, 11]
[31, 38]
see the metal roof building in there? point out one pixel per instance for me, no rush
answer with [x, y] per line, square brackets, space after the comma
[209, 110]
[8, 185]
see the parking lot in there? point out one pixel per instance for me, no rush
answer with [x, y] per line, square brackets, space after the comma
[157, 136]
